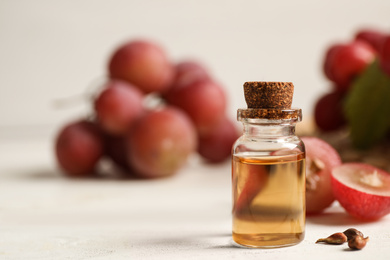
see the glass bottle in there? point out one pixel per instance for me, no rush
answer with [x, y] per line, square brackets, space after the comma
[268, 171]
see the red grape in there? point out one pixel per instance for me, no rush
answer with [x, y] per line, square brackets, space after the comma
[118, 106]
[115, 149]
[343, 62]
[216, 145]
[384, 55]
[372, 37]
[328, 111]
[203, 100]
[143, 64]
[161, 142]
[78, 147]
[329, 59]
[188, 72]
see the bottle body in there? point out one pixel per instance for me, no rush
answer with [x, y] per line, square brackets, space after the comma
[268, 181]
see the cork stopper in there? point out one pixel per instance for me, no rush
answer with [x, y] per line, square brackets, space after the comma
[269, 100]
[268, 94]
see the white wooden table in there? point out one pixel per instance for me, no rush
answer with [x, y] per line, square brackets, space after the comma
[44, 215]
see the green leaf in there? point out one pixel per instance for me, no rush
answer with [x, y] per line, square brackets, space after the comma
[367, 107]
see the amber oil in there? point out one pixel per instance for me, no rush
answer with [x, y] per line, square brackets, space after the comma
[268, 169]
[269, 200]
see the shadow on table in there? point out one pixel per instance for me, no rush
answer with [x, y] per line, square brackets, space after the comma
[46, 173]
[29, 173]
[334, 219]
[230, 245]
[192, 241]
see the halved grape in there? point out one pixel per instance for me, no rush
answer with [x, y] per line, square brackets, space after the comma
[363, 190]
[321, 158]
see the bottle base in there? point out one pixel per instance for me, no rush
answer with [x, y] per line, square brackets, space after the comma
[274, 240]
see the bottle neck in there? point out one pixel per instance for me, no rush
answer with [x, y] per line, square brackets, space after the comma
[269, 123]
[268, 130]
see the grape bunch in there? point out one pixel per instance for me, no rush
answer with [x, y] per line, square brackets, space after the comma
[142, 138]
[344, 63]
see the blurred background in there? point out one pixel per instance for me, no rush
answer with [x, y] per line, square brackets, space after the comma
[54, 54]
[54, 51]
